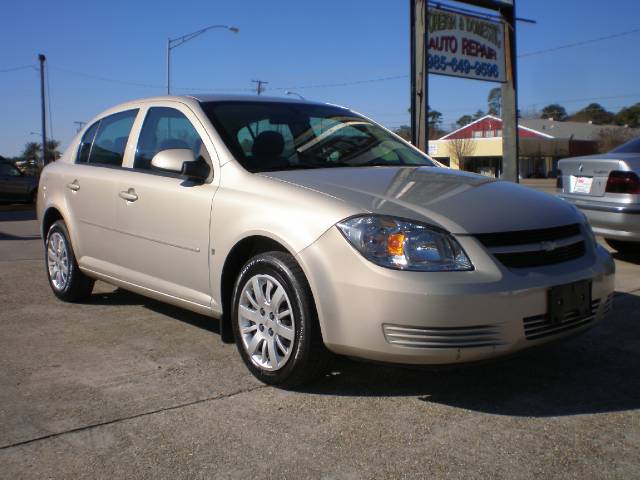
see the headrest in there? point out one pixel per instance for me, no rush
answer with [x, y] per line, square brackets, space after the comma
[268, 144]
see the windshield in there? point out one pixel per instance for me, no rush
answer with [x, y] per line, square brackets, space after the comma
[632, 146]
[268, 136]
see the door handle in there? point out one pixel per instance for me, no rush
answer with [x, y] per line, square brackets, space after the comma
[73, 186]
[130, 195]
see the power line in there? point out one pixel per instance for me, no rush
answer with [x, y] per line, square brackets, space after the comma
[344, 84]
[143, 85]
[23, 67]
[579, 44]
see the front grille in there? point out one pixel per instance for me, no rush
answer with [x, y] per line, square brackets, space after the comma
[539, 326]
[442, 337]
[537, 258]
[521, 237]
[535, 248]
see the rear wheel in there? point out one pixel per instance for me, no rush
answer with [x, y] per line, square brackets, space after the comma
[623, 246]
[65, 278]
[275, 324]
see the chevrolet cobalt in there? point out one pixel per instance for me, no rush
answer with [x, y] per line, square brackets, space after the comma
[309, 230]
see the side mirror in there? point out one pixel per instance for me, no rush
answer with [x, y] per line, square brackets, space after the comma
[171, 160]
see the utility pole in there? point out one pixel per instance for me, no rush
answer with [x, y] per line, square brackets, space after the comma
[259, 86]
[43, 162]
[510, 138]
[419, 76]
[79, 124]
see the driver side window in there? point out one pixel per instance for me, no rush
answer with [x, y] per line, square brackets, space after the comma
[166, 128]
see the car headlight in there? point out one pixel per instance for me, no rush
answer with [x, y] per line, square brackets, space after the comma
[400, 244]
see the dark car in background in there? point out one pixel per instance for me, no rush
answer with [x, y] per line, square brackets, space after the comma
[606, 187]
[15, 186]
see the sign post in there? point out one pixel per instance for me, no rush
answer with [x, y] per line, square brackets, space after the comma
[419, 77]
[510, 139]
[460, 43]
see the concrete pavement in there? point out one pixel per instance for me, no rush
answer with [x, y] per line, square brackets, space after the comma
[125, 387]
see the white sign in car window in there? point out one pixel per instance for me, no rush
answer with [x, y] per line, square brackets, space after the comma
[465, 46]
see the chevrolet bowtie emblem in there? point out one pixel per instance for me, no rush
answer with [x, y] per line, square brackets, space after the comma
[548, 246]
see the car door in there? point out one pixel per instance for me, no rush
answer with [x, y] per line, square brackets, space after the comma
[90, 191]
[162, 218]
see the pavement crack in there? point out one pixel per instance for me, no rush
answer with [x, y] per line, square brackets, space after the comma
[132, 417]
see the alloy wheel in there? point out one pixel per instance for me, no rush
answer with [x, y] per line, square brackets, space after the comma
[266, 321]
[58, 261]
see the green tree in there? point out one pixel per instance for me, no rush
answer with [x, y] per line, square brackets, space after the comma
[555, 111]
[629, 116]
[435, 122]
[494, 101]
[478, 114]
[595, 113]
[33, 151]
[403, 131]
[464, 120]
[435, 119]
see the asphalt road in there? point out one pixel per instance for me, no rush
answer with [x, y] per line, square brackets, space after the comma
[125, 387]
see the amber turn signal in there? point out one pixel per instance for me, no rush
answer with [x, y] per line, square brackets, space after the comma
[395, 244]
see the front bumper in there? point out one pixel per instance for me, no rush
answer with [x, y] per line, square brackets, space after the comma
[611, 220]
[395, 316]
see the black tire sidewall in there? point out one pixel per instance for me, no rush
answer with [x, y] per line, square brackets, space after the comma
[272, 264]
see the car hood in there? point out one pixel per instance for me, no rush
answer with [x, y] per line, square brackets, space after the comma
[460, 202]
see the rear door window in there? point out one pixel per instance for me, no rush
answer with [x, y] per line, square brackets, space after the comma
[111, 138]
[86, 143]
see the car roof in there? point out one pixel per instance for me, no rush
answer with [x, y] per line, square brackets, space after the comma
[203, 98]
[213, 97]
[196, 99]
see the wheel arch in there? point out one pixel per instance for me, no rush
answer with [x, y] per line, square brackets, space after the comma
[51, 215]
[239, 254]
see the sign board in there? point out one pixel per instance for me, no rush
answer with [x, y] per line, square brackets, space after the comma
[493, 4]
[466, 46]
[433, 149]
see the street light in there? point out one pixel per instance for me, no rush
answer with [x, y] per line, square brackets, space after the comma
[176, 42]
[289, 92]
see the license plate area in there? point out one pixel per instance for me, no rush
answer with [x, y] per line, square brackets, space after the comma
[581, 184]
[572, 298]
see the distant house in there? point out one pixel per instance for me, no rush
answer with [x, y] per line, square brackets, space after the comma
[542, 143]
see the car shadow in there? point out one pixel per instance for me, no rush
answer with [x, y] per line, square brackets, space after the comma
[627, 257]
[122, 297]
[591, 373]
[17, 215]
[9, 236]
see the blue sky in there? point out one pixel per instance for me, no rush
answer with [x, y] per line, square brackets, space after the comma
[290, 44]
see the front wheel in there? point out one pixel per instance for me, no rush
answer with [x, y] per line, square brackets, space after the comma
[624, 247]
[275, 324]
[65, 278]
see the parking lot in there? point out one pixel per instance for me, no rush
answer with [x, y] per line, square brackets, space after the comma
[122, 386]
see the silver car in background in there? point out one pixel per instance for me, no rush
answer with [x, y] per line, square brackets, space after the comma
[606, 188]
[308, 229]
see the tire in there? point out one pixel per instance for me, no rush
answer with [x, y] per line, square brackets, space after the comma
[276, 331]
[628, 248]
[59, 258]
